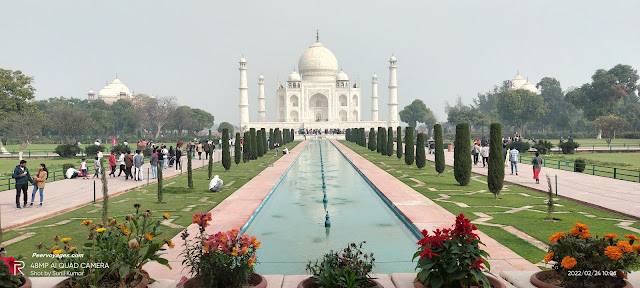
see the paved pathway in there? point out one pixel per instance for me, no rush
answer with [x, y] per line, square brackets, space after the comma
[69, 194]
[617, 196]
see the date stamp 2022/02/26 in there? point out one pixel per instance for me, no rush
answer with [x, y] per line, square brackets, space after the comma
[591, 273]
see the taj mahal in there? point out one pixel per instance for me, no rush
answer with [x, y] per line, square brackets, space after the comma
[318, 96]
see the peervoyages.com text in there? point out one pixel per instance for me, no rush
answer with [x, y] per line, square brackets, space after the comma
[38, 255]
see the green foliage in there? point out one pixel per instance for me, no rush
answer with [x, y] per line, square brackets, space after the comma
[265, 146]
[120, 148]
[399, 142]
[124, 246]
[520, 107]
[416, 112]
[259, 143]
[631, 135]
[568, 147]
[160, 179]
[389, 141]
[495, 175]
[609, 125]
[254, 145]
[105, 191]
[372, 139]
[521, 146]
[225, 125]
[7, 279]
[15, 91]
[271, 139]
[67, 150]
[379, 145]
[226, 155]
[462, 154]
[347, 134]
[420, 152]
[550, 202]
[579, 165]
[438, 148]
[409, 150]
[92, 150]
[189, 171]
[349, 268]
[237, 149]
[246, 146]
[383, 141]
[544, 147]
[66, 166]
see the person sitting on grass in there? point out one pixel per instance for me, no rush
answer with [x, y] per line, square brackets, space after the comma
[216, 184]
[285, 151]
[71, 173]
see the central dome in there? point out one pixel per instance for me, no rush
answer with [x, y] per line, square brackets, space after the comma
[318, 62]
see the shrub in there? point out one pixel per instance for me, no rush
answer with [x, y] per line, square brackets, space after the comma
[271, 139]
[226, 155]
[495, 175]
[347, 268]
[189, 170]
[439, 148]
[544, 147]
[568, 147]
[120, 148]
[265, 146]
[8, 277]
[399, 142]
[462, 154]
[237, 149]
[389, 141]
[420, 154]
[363, 140]
[66, 166]
[67, 150]
[631, 135]
[254, 145]
[92, 150]
[372, 139]
[408, 146]
[246, 144]
[521, 146]
[383, 141]
[579, 165]
[379, 140]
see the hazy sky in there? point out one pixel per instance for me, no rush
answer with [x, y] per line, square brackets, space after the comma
[190, 49]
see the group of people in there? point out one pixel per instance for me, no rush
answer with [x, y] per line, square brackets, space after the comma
[481, 148]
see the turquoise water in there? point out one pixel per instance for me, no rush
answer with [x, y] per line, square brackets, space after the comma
[291, 223]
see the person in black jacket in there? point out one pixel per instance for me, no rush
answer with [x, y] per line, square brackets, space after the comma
[22, 178]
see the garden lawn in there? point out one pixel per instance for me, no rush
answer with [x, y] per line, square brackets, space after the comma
[613, 165]
[178, 201]
[479, 199]
[589, 142]
[53, 164]
[50, 148]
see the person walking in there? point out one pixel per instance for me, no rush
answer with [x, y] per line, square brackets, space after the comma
[165, 157]
[484, 152]
[153, 161]
[275, 147]
[97, 167]
[22, 177]
[513, 158]
[128, 162]
[178, 156]
[172, 156]
[40, 180]
[138, 160]
[121, 162]
[537, 166]
[207, 150]
[199, 150]
[84, 169]
[112, 164]
[475, 151]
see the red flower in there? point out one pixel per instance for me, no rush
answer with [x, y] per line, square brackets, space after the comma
[478, 264]
[427, 252]
[464, 227]
[9, 261]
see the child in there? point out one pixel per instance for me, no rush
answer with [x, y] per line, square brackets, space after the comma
[96, 166]
[83, 168]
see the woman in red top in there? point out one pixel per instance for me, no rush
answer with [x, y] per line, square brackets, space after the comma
[112, 164]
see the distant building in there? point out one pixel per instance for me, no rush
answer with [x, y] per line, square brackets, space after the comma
[518, 83]
[112, 92]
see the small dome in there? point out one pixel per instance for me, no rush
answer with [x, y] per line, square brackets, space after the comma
[294, 77]
[375, 76]
[242, 60]
[261, 77]
[342, 76]
[393, 58]
[530, 87]
[517, 82]
[91, 92]
[318, 61]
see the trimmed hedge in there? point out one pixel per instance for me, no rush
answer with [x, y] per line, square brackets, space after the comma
[399, 142]
[265, 145]
[271, 139]
[120, 148]
[237, 149]
[544, 147]
[259, 142]
[226, 155]
[372, 139]
[67, 150]
[421, 158]
[383, 141]
[246, 146]
[92, 150]
[579, 165]
[521, 146]
[568, 147]
[439, 148]
[408, 146]
[462, 154]
[389, 141]
[495, 177]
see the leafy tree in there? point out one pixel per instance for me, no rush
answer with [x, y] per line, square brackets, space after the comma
[495, 177]
[561, 113]
[15, 91]
[154, 112]
[438, 148]
[461, 113]
[226, 155]
[609, 125]
[408, 146]
[372, 139]
[181, 119]
[383, 141]
[417, 111]
[24, 125]
[237, 149]
[421, 159]
[520, 107]
[69, 122]
[389, 141]
[462, 154]
[125, 118]
[631, 113]
[379, 140]
[202, 120]
[399, 142]
[189, 171]
[160, 185]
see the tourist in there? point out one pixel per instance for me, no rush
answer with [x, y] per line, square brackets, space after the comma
[475, 152]
[285, 151]
[138, 160]
[125, 143]
[220, 143]
[84, 169]
[153, 161]
[484, 152]
[112, 164]
[178, 156]
[172, 156]
[72, 172]
[100, 155]
[513, 157]
[22, 177]
[128, 162]
[40, 180]
[199, 150]
[275, 147]
[216, 184]
[537, 166]
[96, 166]
[207, 149]
[165, 157]
[121, 161]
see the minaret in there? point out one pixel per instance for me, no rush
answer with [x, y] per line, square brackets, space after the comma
[374, 98]
[262, 113]
[244, 98]
[393, 93]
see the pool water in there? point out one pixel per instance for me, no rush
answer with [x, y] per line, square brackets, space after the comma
[291, 222]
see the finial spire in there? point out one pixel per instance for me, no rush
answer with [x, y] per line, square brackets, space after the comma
[116, 75]
[317, 35]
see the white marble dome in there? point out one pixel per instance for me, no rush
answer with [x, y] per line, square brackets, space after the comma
[318, 61]
[342, 76]
[517, 82]
[529, 86]
[294, 77]
[112, 92]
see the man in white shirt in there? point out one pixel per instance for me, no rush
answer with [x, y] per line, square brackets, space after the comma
[484, 151]
[121, 162]
[216, 184]
[71, 173]
[513, 158]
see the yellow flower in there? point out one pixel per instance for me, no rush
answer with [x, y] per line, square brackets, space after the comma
[86, 222]
[126, 231]
[72, 248]
[611, 235]
[556, 236]
[99, 230]
[568, 262]
[134, 245]
[56, 252]
[66, 239]
[625, 246]
[548, 257]
[169, 243]
[251, 262]
[148, 237]
[632, 237]
[613, 252]
[166, 215]
[235, 251]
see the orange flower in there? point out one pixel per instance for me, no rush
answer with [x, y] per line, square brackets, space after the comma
[243, 250]
[556, 236]
[611, 235]
[636, 248]
[585, 235]
[548, 257]
[235, 251]
[568, 262]
[148, 237]
[580, 226]
[625, 246]
[252, 260]
[613, 252]
[169, 243]
[632, 237]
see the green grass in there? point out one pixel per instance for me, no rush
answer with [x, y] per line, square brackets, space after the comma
[43, 148]
[527, 221]
[622, 160]
[53, 164]
[613, 165]
[177, 196]
[617, 142]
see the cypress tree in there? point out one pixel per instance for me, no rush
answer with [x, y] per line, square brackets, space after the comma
[236, 150]
[265, 146]
[105, 192]
[399, 142]
[495, 176]
[379, 141]
[285, 138]
[260, 141]
[271, 139]
[389, 141]
[254, 150]
[189, 171]
[210, 165]
[383, 141]
[160, 187]
[363, 138]
[372, 139]
[462, 154]
[439, 148]
[421, 159]
[293, 135]
[246, 147]
[347, 134]
[226, 155]
[408, 146]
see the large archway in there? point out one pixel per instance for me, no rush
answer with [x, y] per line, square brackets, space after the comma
[319, 108]
[343, 100]
[343, 115]
[355, 115]
[293, 100]
[293, 116]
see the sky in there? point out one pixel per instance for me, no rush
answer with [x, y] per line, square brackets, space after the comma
[190, 49]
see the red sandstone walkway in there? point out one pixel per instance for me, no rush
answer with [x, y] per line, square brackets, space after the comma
[618, 196]
[65, 195]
